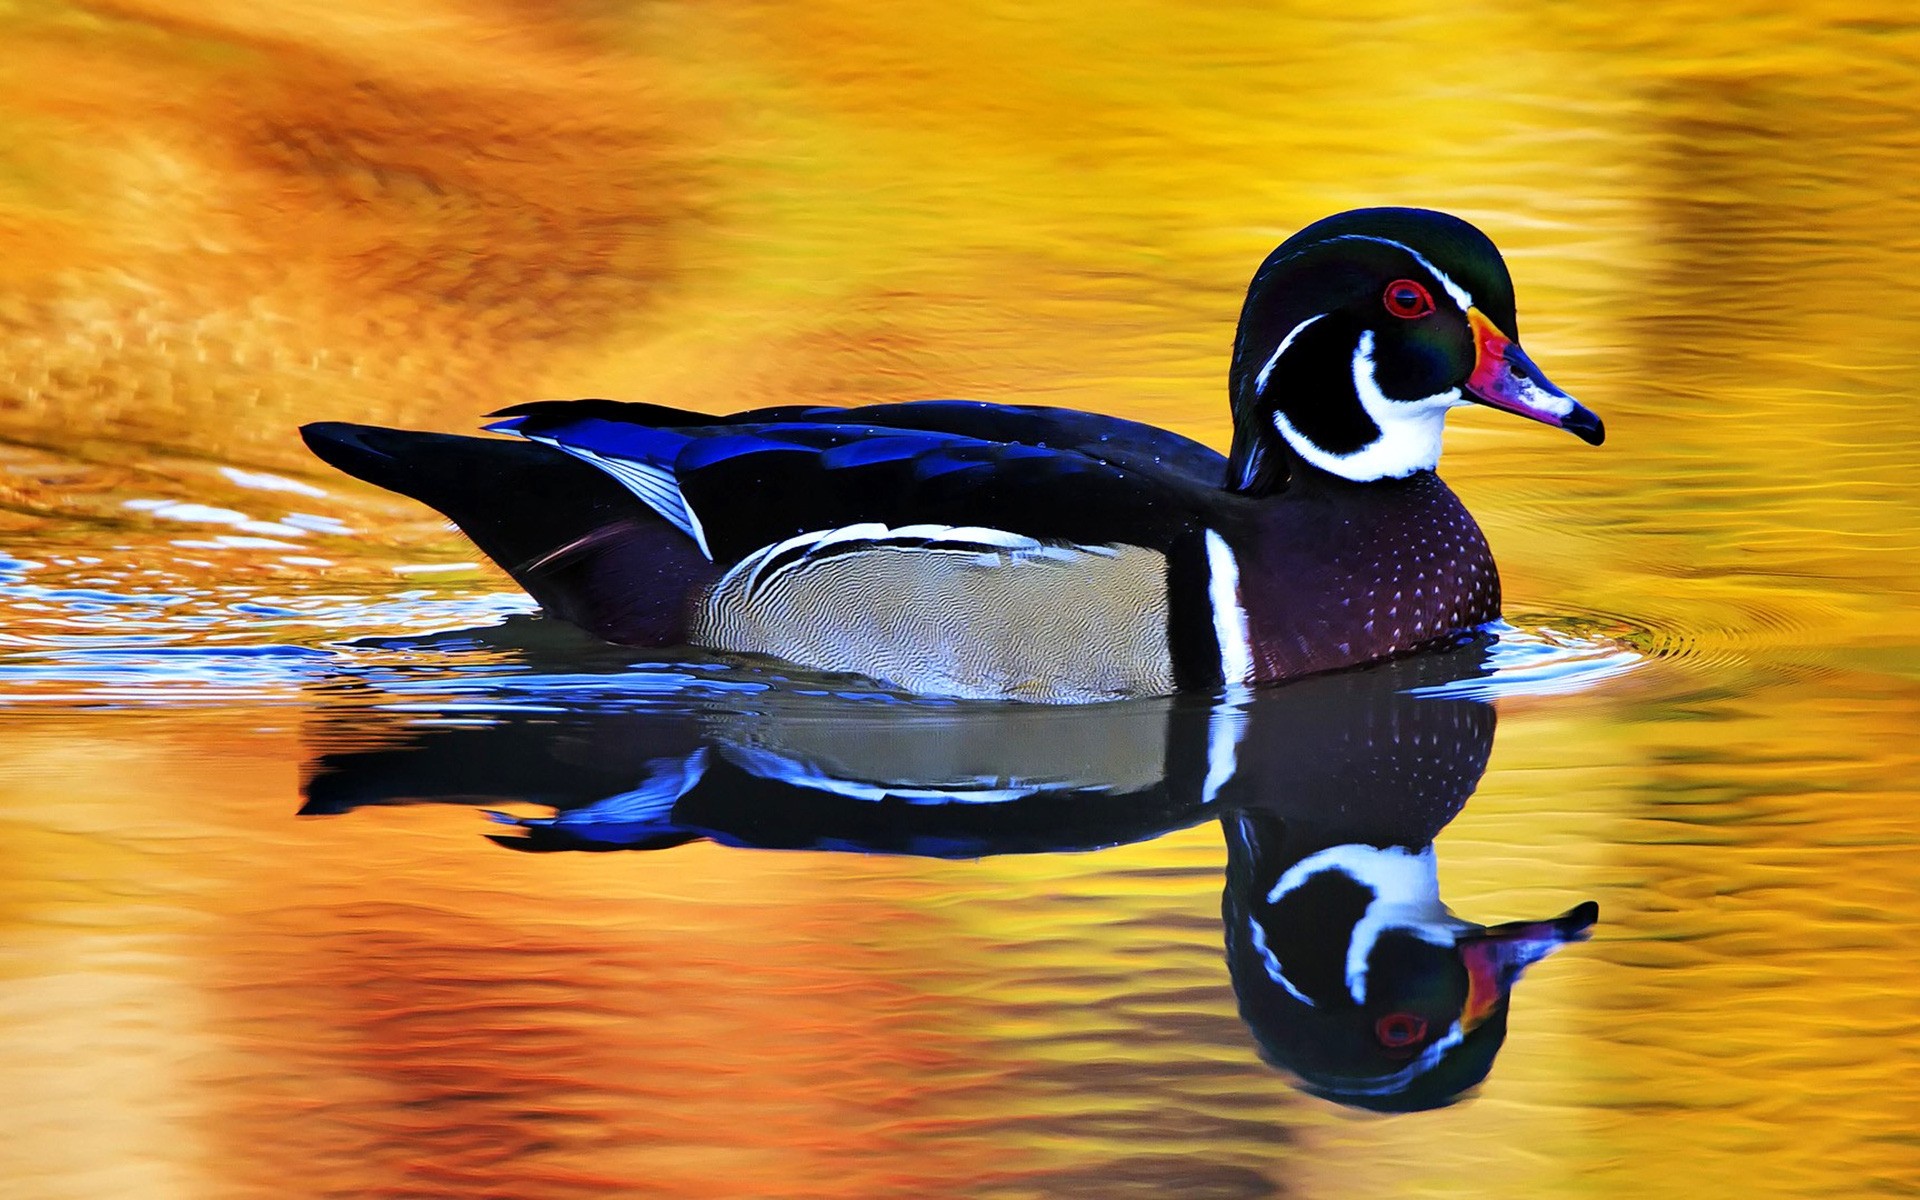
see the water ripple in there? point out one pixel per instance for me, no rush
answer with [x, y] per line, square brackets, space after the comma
[1548, 657]
[479, 653]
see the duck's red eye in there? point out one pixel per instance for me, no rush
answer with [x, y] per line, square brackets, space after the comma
[1399, 1029]
[1407, 299]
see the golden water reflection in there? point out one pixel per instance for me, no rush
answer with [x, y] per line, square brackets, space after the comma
[220, 220]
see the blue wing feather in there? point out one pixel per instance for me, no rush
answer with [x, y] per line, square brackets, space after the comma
[613, 439]
[726, 446]
[887, 447]
[734, 485]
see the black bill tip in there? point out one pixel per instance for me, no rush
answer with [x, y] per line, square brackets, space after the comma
[1583, 424]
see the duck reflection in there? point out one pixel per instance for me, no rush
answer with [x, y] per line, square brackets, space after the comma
[1350, 971]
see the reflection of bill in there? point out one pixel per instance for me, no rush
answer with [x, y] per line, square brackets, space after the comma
[1349, 969]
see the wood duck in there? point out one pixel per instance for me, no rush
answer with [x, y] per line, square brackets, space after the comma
[974, 550]
[1348, 969]
[1353, 974]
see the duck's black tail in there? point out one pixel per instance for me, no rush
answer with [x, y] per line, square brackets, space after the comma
[578, 542]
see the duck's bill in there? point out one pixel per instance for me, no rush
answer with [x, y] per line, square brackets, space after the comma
[1505, 378]
[1494, 958]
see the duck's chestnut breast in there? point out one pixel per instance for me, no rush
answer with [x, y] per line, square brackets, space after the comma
[1355, 573]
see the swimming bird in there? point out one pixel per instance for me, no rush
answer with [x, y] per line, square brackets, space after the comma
[975, 550]
[1349, 969]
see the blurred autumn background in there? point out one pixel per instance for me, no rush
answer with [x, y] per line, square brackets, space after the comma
[220, 220]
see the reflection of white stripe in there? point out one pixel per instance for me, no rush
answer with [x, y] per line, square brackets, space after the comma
[1260, 380]
[667, 780]
[796, 772]
[1229, 619]
[1406, 896]
[1225, 725]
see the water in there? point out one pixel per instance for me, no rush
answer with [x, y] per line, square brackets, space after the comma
[216, 223]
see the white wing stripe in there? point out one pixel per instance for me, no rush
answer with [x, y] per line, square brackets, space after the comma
[655, 486]
[751, 574]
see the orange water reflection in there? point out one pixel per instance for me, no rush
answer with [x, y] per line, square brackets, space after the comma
[219, 220]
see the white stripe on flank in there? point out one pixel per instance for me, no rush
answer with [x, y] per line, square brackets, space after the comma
[1461, 296]
[1260, 380]
[1229, 618]
[865, 531]
[750, 573]
[986, 537]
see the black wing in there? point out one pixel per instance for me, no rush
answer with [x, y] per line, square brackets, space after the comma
[735, 484]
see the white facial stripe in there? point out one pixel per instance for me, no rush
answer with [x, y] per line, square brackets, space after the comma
[1406, 896]
[1410, 430]
[1387, 1085]
[1461, 296]
[1229, 618]
[1260, 380]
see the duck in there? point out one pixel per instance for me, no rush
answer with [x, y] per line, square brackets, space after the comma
[1350, 972]
[973, 550]
[1354, 975]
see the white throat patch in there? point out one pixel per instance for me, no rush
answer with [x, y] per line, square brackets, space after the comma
[1410, 430]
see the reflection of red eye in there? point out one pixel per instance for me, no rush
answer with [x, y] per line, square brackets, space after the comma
[1399, 1029]
[1407, 299]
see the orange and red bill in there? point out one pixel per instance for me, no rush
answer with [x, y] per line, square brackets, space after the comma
[1505, 378]
[1494, 958]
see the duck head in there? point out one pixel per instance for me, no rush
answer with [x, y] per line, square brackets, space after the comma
[1354, 976]
[1360, 332]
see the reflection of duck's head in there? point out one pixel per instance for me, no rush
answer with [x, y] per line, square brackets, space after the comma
[1353, 975]
[1349, 970]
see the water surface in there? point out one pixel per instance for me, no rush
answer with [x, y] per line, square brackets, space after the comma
[218, 221]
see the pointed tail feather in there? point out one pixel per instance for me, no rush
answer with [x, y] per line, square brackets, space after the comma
[577, 541]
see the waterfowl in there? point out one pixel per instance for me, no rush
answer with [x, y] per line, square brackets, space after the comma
[1349, 969]
[965, 549]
